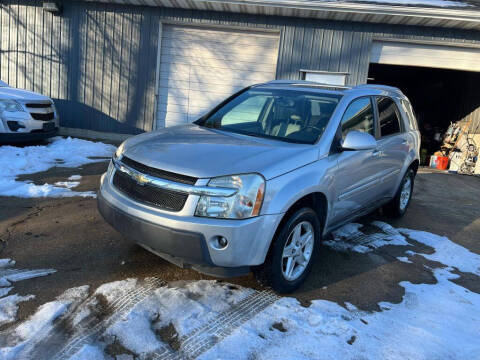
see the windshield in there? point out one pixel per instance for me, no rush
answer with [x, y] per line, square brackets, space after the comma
[287, 115]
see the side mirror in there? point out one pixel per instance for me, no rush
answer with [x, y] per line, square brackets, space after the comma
[356, 140]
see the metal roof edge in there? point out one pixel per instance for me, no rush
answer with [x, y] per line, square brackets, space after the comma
[467, 15]
[377, 9]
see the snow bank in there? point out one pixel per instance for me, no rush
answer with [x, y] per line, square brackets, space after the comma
[69, 152]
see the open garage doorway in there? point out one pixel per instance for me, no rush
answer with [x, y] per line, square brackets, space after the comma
[439, 97]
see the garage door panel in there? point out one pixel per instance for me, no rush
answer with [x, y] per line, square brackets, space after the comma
[171, 119]
[218, 64]
[180, 69]
[212, 79]
[229, 36]
[435, 56]
[200, 67]
[209, 95]
[201, 58]
[197, 75]
[173, 47]
[203, 90]
[248, 54]
[169, 83]
[173, 34]
[171, 95]
[176, 108]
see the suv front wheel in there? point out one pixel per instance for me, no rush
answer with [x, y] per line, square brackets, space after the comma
[292, 253]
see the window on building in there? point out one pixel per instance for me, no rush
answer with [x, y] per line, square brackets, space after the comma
[359, 117]
[388, 116]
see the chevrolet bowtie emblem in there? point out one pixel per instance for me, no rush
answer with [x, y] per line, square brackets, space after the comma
[140, 179]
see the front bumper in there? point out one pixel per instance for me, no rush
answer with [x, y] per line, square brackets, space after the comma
[17, 137]
[30, 129]
[185, 239]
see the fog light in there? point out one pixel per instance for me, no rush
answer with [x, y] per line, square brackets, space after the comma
[15, 125]
[219, 242]
[222, 241]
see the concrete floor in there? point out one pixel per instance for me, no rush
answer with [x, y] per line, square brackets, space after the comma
[69, 235]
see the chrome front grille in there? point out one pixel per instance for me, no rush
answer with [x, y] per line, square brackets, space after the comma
[148, 194]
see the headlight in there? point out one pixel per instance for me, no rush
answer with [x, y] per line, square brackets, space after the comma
[119, 151]
[244, 204]
[10, 106]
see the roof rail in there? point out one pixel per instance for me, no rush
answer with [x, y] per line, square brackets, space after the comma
[378, 87]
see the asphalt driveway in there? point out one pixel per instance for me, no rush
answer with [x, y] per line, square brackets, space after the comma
[69, 235]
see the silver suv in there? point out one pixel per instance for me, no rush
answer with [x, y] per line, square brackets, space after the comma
[258, 181]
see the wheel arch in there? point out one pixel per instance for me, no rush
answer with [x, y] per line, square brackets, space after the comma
[317, 201]
[414, 165]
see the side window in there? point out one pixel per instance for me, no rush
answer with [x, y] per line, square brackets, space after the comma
[358, 116]
[388, 118]
[407, 107]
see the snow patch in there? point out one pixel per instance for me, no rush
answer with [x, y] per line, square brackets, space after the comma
[9, 307]
[90, 352]
[67, 184]
[350, 238]
[9, 304]
[6, 263]
[403, 259]
[446, 251]
[69, 152]
[41, 323]
[185, 305]
[19, 275]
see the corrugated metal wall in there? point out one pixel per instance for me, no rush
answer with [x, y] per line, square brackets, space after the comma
[98, 60]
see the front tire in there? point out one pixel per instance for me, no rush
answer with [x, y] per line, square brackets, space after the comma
[397, 207]
[292, 252]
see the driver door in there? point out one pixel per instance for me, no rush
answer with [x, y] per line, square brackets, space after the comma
[357, 177]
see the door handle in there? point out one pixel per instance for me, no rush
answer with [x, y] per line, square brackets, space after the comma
[377, 153]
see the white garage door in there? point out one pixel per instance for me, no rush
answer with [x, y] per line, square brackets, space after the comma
[200, 67]
[435, 56]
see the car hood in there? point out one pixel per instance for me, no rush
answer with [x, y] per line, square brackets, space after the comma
[204, 153]
[19, 94]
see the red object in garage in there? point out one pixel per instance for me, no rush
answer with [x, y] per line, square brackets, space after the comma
[442, 162]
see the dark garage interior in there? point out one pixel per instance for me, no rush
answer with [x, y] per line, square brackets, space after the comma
[438, 96]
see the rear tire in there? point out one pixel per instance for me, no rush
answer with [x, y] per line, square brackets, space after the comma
[398, 206]
[298, 239]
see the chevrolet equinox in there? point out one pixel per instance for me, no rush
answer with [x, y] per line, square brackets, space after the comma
[259, 180]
